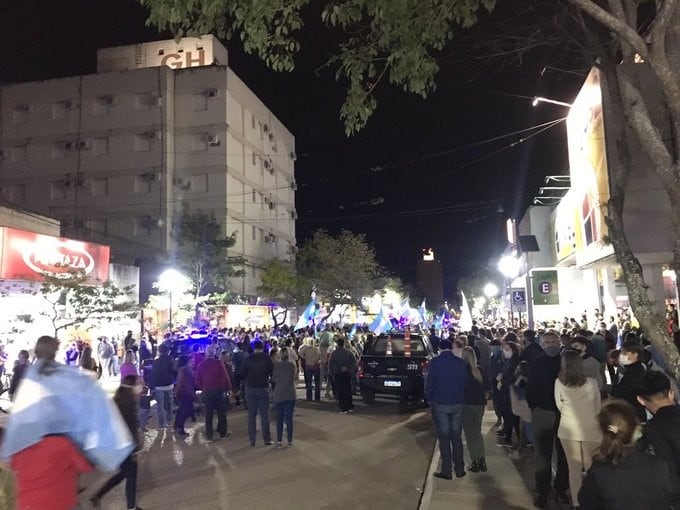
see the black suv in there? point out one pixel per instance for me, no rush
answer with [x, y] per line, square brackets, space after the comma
[386, 368]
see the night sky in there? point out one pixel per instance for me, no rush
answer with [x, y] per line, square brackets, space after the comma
[440, 187]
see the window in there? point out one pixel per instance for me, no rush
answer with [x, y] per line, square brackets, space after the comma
[396, 345]
[58, 150]
[99, 226]
[252, 120]
[57, 190]
[61, 109]
[100, 187]
[17, 193]
[254, 235]
[143, 183]
[142, 143]
[254, 195]
[199, 102]
[254, 159]
[199, 183]
[199, 143]
[100, 146]
[161, 51]
[19, 153]
[20, 114]
[143, 101]
[141, 226]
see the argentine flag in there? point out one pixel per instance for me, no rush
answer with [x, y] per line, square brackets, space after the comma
[381, 323]
[306, 316]
[423, 313]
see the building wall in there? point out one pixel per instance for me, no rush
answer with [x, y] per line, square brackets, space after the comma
[22, 220]
[114, 156]
[430, 281]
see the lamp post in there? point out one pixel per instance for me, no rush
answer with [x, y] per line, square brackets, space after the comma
[509, 266]
[171, 281]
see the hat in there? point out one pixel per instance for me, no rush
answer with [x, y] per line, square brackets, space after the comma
[445, 344]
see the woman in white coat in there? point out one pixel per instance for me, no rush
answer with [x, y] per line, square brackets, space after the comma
[578, 401]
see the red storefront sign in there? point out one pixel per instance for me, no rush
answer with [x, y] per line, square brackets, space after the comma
[29, 256]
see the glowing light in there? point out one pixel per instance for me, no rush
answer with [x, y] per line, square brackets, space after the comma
[490, 290]
[509, 266]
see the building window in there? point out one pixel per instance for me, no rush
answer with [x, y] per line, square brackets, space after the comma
[19, 153]
[17, 193]
[58, 150]
[141, 226]
[100, 146]
[60, 110]
[252, 120]
[199, 102]
[142, 144]
[98, 226]
[199, 183]
[254, 235]
[20, 114]
[100, 187]
[57, 190]
[161, 51]
[143, 183]
[254, 195]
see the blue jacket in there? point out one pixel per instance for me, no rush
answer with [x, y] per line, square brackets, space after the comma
[445, 381]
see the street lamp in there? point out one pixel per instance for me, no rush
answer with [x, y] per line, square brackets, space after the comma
[171, 281]
[551, 101]
[490, 290]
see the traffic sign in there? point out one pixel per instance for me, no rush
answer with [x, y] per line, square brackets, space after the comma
[519, 297]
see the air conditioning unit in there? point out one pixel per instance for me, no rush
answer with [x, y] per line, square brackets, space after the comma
[68, 180]
[293, 186]
[272, 205]
[270, 238]
[23, 108]
[151, 177]
[213, 140]
[156, 101]
[265, 128]
[293, 156]
[83, 144]
[267, 164]
[294, 215]
[271, 137]
[108, 100]
[153, 135]
[182, 183]
[67, 146]
[66, 104]
[212, 93]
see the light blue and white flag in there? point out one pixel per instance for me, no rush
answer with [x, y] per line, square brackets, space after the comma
[423, 313]
[381, 323]
[306, 316]
[465, 322]
[405, 308]
[67, 402]
[353, 331]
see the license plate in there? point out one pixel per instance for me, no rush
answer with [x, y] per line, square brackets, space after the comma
[396, 384]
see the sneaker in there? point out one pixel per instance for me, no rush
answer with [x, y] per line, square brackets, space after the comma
[290, 444]
[268, 443]
[460, 474]
[351, 411]
[443, 476]
[252, 443]
[504, 442]
[278, 444]
[226, 435]
[343, 412]
[182, 433]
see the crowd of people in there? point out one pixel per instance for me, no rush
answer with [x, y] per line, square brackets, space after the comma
[602, 403]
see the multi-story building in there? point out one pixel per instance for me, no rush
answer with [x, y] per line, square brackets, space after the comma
[114, 155]
[430, 279]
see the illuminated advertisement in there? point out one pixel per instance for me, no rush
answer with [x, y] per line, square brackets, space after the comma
[30, 256]
[588, 160]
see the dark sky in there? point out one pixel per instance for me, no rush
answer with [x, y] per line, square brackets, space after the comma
[440, 188]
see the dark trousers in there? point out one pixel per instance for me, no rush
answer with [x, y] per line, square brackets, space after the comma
[342, 384]
[215, 403]
[127, 472]
[448, 421]
[185, 410]
[510, 421]
[545, 424]
[284, 413]
[258, 402]
[240, 388]
[313, 375]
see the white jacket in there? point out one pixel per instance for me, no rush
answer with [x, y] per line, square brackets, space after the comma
[579, 408]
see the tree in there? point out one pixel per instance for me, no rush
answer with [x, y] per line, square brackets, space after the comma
[72, 303]
[203, 253]
[397, 40]
[342, 268]
[280, 284]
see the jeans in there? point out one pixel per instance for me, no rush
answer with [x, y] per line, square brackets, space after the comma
[472, 427]
[545, 424]
[214, 401]
[448, 423]
[312, 375]
[163, 400]
[342, 384]
[185, 410]
[284, 412]
[127, 472]
[258, 402]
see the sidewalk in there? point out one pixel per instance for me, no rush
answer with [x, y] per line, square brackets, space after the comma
[507, 485]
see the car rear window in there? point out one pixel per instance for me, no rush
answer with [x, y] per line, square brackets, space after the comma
[396, 345]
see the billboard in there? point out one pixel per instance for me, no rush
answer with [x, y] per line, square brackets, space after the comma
[30, 256]
[588, 161]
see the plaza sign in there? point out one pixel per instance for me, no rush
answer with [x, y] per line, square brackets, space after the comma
[31, 257]
[544, 286]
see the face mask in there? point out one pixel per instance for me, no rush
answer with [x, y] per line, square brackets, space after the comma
[507, 353]
[495, 350]
[552, 351]
[624, 359]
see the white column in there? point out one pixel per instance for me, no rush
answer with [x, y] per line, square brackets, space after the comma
[655, 288]
[609, 289]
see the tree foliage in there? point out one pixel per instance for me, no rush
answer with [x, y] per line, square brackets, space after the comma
[280, 283]
[342, 268]
[203, 253]
[72, 303]
[393, 39]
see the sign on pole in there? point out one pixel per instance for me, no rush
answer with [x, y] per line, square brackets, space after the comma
[545, 288]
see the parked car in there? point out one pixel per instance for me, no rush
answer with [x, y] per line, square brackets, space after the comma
[386, 368]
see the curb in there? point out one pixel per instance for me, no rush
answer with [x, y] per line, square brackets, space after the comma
[428, 486]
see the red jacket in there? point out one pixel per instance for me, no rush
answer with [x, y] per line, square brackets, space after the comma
[212, 375]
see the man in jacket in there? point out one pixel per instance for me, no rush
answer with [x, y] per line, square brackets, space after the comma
[445, 391]
[628, 388]
[212, 378]
[257, 372]
[105, 353]
[661, 435]
[162, 379]
[342, 365]
[545, 420]
[530, 349]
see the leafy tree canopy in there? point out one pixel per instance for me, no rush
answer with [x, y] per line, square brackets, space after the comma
[281, 284]
[203, 253]
[393, 39]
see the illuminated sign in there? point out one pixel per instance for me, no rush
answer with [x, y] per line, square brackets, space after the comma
[428, 255]
[30, 256]
[184, 59]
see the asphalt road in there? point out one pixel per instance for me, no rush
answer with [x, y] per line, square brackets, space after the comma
[376, 458]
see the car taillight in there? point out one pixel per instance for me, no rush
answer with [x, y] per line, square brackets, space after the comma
[424, 365]
[360, 370]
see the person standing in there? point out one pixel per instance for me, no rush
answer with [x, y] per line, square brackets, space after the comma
[257, 372]
[284, 373]
[543, 372]
[127, 401]
[162, 379]
[128, 367]
[445, 391]
[185, 391]
[623, 476]
[342, 365]
[504, 384]
[20, 366]
[590, 365]
[238, 359]
[578, 400]
[628, 388]
[473, 411]
[212, 378]
[72, 355]
[311, 355]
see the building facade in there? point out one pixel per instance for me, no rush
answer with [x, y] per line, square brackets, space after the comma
[430, 279]
[115, 155]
